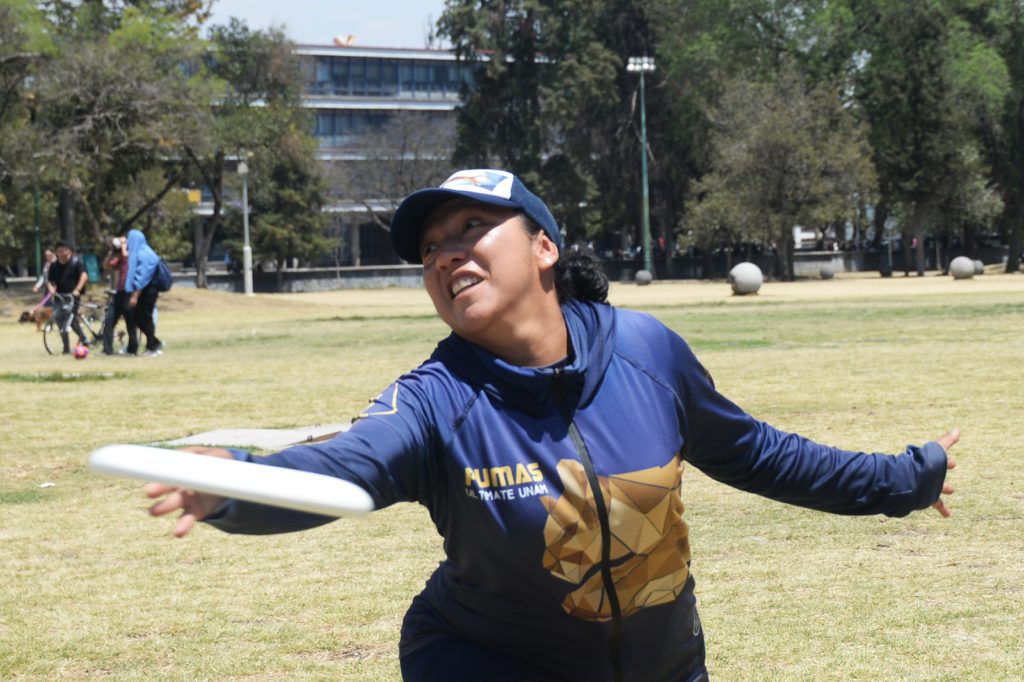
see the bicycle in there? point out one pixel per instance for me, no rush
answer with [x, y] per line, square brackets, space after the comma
[87, 316]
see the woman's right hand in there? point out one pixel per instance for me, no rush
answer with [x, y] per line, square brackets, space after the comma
[194, 506]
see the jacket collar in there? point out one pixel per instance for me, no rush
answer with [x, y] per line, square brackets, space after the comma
[591, 329]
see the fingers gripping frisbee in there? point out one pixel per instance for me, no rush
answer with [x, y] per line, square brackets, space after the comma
[275, 486]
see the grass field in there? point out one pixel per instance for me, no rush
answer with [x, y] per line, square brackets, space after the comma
[95, 588]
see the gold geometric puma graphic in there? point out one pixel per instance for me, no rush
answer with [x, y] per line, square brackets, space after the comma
[650, 546]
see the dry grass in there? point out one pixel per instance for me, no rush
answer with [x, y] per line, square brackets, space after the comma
[94, 588]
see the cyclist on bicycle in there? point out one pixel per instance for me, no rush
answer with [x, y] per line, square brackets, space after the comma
[67, 275]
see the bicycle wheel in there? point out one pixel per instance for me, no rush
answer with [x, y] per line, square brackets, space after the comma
[93, 326]
[120, 339]
[51, 338]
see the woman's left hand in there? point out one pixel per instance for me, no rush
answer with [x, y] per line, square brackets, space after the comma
[947, 441]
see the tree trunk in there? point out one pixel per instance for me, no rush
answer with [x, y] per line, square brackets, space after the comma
[1015, 223]
[917, 222]
[970, 243]
[208, 228]
[881, 216]
[669, 252]
[905, 245]
[199, 256]
[790, 248]
[66, 216]
[90, 216]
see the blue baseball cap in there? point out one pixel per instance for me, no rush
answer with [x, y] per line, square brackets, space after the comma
[494, 187]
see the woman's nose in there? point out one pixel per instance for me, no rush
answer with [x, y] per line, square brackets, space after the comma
[451, 251]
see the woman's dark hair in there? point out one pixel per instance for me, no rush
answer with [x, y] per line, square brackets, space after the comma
[579, 274]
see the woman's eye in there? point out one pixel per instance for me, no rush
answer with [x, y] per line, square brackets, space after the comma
[427, 250]
[470, 224]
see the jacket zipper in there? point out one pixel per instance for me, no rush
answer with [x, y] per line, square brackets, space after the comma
[615, 645]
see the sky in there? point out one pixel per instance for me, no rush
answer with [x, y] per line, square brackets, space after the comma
[373, 23]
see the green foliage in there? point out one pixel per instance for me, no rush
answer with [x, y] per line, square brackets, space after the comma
[112, 105]
[785, 154]
[128, 106]
[287, 194]
[24, 43]
[256, 114]
[1002, 133]
[552, 102]
[253, 65]
[117, 104]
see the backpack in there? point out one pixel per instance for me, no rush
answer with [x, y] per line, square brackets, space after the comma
[162, 277]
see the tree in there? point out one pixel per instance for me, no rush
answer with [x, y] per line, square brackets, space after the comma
[287, 198]
[1001, 128]
[112, 108]
[706, 47]
[256, 82]
[409, 152]
[914, 91]
[552, 102]
[24, 44]
[785, 154]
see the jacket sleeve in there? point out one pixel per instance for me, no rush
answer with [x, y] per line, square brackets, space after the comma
[732, 447]
[386, 452]
[141, 267]
[133, 269]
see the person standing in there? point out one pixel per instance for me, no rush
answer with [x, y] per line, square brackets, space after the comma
[547, 436]
[67, 275]
[140, 285]
[48, 258]
[117, 263]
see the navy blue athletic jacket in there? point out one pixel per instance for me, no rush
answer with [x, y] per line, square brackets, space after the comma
[557, 491]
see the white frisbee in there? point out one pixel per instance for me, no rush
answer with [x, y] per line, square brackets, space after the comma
[275, 486]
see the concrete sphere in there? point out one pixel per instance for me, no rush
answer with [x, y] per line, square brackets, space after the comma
[979, 268]
[643, 278]
[961, 267]
[827, 272]
[745, 278]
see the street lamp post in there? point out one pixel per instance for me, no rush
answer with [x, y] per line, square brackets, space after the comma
[644, 65]
[35, 192]
[243, 172]
[35, 218]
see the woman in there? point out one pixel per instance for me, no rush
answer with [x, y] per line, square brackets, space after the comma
[141, 287]
[117, 264]
[546, 435]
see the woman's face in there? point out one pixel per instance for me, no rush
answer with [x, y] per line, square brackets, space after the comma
[484, 272]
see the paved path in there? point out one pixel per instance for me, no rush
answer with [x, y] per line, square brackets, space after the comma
[263, 439]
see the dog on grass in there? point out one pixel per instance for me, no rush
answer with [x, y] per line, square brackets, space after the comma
[40, 316]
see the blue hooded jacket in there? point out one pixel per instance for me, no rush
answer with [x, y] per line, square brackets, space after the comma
[557, 491]
[142, 262]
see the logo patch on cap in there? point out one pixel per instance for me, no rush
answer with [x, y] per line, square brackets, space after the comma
[484, 181]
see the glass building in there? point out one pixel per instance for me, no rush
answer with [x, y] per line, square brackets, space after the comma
[355, 93]
[355, 90]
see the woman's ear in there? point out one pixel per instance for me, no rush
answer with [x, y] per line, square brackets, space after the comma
[547, 252]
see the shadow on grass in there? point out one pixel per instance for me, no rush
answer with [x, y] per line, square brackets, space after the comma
[60, 377]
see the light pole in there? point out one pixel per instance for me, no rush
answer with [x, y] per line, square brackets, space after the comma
[643, 65]
[35, 191]
[243, 172]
